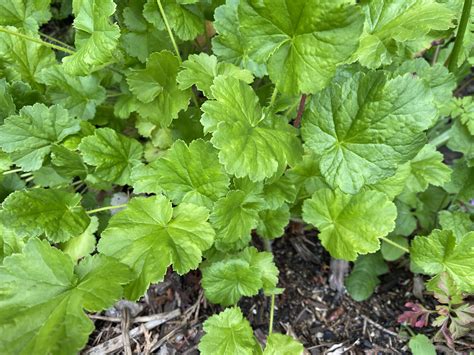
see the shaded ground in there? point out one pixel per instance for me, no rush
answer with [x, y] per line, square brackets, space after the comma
[308, 309]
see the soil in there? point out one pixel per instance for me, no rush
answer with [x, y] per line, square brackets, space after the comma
[325, 321]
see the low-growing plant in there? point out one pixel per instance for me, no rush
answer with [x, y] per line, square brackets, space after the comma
[221, 119]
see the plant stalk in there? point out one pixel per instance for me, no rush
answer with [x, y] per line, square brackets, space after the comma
[36, 40]
[406, 250]
[106, 208]
[273, 98]
[272, 311]
[452, 62]
[441, 139]
[13, 171]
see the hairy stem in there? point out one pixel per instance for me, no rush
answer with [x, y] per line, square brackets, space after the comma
[36, 40]
[452, 62]
[297, 121]
[272, 311]
[106, 208]
[406, 250]
[52, 39]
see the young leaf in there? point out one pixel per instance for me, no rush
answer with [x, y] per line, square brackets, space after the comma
[26, 14]
[55, 213]
[350, 224]
[96, 38]
[49, 317]
[301, 41]
[440, 252]
[200, 70]
[252, 142]
[150, 235]
[272, 223]
[366, 126]
[391, 27]
[421, 345]
[159, 98]
[80, 95]
[279, 344]
[186, 174]
[114, 155]
[29, 136]
[228, 333]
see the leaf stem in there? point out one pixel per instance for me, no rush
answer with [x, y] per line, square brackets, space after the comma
[52, 39]
[273, 98]
[299, 115]
[452, 61]
[272, 308]
[106, 208]
[441, 139]
[168, 28]
[36, 40]
[406, 250]
[13, 171]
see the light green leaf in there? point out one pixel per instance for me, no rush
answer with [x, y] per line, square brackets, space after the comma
[363, 279]
[200, 70]
[150, 235]
[14, 51]
[301, 41]
[234, 216]
[420, 344]
[458, 222]
[350, 224]
[186, 174]
[114, 155]
[278, 192]
[462, 141]
[29, 136]
[391, 252]
[306, 175]
[84, 244]
[366, 126]
[7, 105]
[27, 14]
[427, 168]
[440, 252]
[185, 20]
[49, 318]
[252, 142]
[393, 185]
[55, 213]
[461, 181]
[392, 27]
[80, 95]
[279, 344]
[228, 333]
[229, 45]
[159, 98]
[96, 37]
[272, 223]
[10, 243]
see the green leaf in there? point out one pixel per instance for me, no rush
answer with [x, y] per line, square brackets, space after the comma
[391, 252]
[159, 98]
[55, 213]
[278, 192]
[363, 279]
[234, 216]
[49, 318]
[301, 41]
[84, 244]
[200, 70]
[393, 185]
[279, 344]
[458, 222]
[306, 176]
[229, 45]
[96, 37]
[67, 163]
[26, 14]
[392, 27]
[440, 252]
[185, 20]
[10, 243]
[186, 174]
[350, 224]
[272, 223]
[80, 95]
[436, 77]
[461, 181]
[228, 333]
[23, 59]
[150, 235]
[421, 345]
[462, 141]
[114, 155]
[366, 126]
[7, 105]
[427, 168]
[29, 136]
[252, 142]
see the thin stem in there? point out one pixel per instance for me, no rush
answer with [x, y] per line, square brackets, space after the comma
[436, 55]
[106, 208]
[52, 39]
[168, 28]
[272, 308]
[406, 250]
[441, 139]
[273, 98]
[452, 62]
[26, 174]
[13, 171]
[36, 40]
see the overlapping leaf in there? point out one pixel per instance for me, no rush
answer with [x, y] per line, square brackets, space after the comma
[25, 14]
